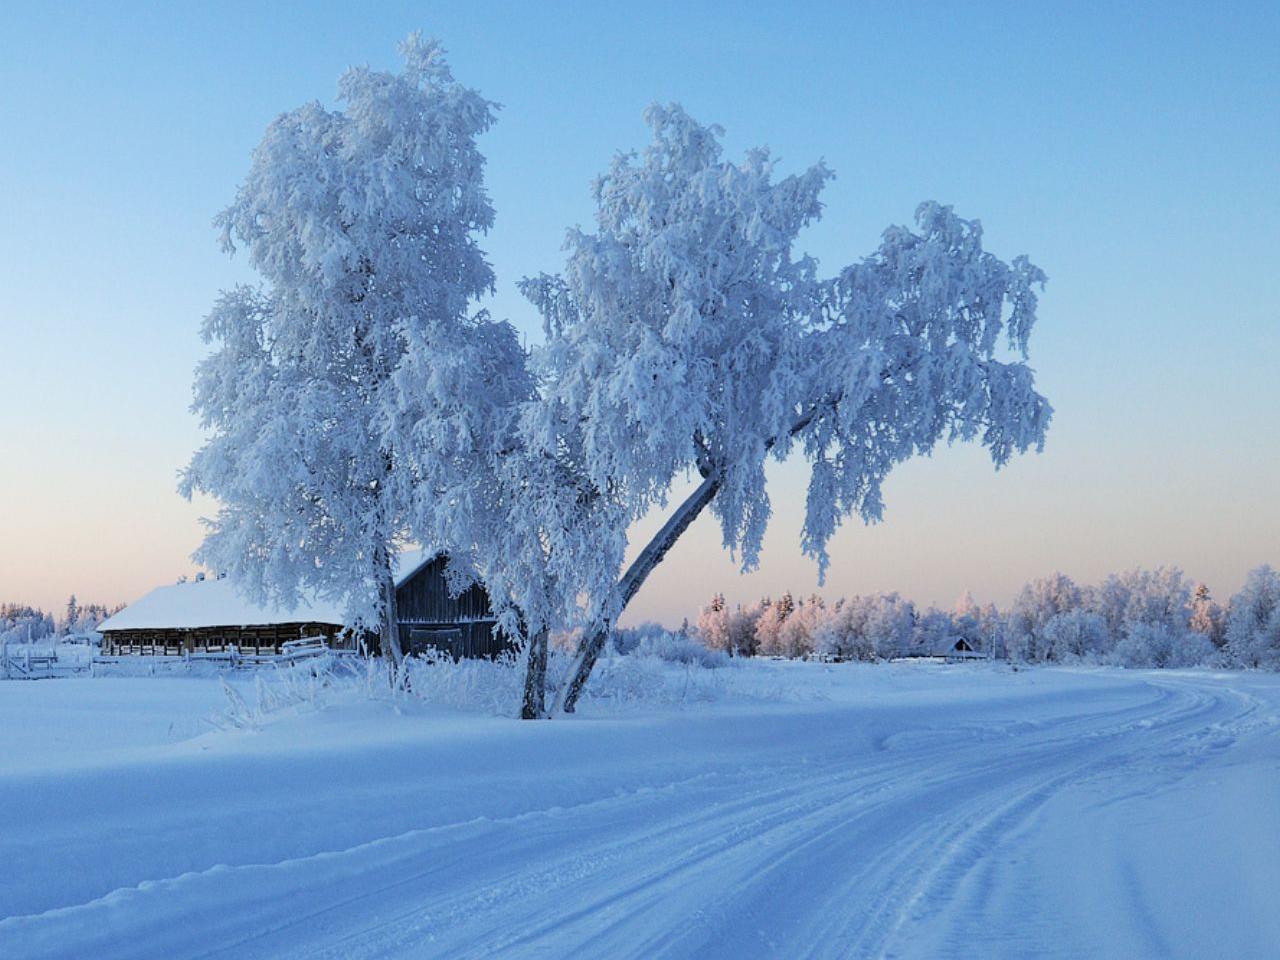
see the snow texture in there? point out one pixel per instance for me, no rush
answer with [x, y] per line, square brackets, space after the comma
[851, 810]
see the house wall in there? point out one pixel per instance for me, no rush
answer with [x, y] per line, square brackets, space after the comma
[249, 639]
[461, 626]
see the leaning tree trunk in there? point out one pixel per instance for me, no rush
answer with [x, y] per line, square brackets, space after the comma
[535, 679]
[590, 646]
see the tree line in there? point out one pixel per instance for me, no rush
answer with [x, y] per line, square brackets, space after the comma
[19, 621]
[1139, 618]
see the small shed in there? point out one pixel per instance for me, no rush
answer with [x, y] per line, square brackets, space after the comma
[429, 618]
[211, 615]
[962, 648]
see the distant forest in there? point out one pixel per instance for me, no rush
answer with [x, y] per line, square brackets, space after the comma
[20, 622]
[1141, 618]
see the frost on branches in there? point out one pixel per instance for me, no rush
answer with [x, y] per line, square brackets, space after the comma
[342, 394]
[686, 336]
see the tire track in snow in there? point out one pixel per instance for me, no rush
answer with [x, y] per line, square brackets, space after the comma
[834, 857]
[652, 888]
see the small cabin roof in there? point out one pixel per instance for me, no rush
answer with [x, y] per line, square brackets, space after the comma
[214, 602]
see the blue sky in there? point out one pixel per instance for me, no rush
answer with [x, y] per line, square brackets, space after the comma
[1131, 153]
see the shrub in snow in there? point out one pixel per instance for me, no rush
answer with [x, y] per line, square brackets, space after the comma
[625, 639]
[678, 648]
[491, 686]
[311, 683]
[675, 646]
[655, 671]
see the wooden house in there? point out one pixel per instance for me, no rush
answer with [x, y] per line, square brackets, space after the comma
[210, 615]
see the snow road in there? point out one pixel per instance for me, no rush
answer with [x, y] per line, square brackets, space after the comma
[900, 811]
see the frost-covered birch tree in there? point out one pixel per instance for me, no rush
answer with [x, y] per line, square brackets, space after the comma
[357, 382]
[686, 337]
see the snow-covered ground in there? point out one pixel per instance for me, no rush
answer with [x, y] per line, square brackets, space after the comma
[900, 810]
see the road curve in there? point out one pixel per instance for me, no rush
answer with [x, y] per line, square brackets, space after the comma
[988, 827]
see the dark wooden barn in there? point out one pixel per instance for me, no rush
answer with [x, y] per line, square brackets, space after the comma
[207, 615]
[461, 626]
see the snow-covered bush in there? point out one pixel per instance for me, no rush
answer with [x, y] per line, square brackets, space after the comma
[624, 640]
[311, 683]
[490, 686]
[662, 668]
[679, 648]
[675, 646]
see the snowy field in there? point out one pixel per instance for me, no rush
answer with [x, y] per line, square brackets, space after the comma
[762, 810]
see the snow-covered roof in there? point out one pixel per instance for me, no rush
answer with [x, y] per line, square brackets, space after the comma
[217, 603]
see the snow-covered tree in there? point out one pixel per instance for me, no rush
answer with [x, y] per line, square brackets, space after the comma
[357, 382]
[72, 616]
[713, 624]
[769, 626]
[1156, 644]
[742, 630]
[1253, 621]
[874, 627]
[992, 632]
[687, 337]
[797, 636]
[1036, 604]
[20, 623]
[1074, 635]
[1207, 616]
[966, 616]
[1160, 597]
